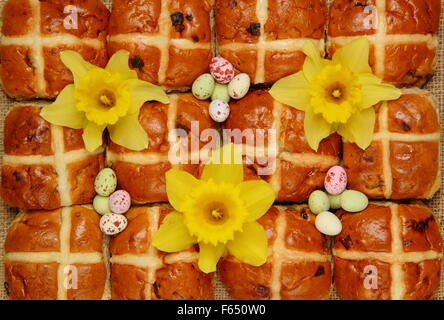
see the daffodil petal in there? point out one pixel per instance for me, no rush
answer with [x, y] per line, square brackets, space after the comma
[209, 256]
[313, 62]
[250, 246]
[93, 136]
[173, 235]
[316, 129]
[142, 91]
[63, 111]
[225, 165]
[118, 63]
[178, 185]
[359, 128]
[293, 91]
[354, 56]
[129, 133]
[75, 63]
[258, 197]
[374, 90]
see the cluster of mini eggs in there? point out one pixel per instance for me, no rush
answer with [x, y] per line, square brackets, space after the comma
[220, 85]
[109, 203]
[336, 197]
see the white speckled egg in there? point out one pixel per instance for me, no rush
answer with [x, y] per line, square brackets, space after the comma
[222, 70]
[203, 87]
[100, 204]
[318, 202]
[106, 182]
[328, 224]
[112, 223]
[353, 201]
[119, 202]
[335, 180]
[219, 110]
[239, 86]
[220, 93]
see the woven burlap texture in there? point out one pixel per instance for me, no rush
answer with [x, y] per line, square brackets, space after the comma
[436, 85]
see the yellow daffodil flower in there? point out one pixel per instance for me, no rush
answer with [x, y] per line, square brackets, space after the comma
[336, 95]
[218, 212]
[103, 98]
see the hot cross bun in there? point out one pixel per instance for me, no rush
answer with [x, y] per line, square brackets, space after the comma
[402, 162]
[33, 34]
[56, 254]
[141, 272]
[264, 38]
[46, 166]
[388, 251]
[402, 33]
[275, 147]
[298, 265]
[169, 41]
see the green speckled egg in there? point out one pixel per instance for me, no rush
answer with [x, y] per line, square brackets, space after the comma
[220, 93]
[353, 201]
[101, 205]
[203, 86]
[335, 201]
[106, 182]
[318, 202]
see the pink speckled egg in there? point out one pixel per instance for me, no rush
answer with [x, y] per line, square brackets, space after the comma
[119, 202]
[112, 223]
[222, 70]
[335, 180]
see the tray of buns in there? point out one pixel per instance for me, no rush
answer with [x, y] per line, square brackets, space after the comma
[53, 217]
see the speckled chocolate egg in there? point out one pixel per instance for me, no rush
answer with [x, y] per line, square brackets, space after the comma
[335, 201]
[203, 87]
[239, 86]
[222, 70]
[335, 180]
[112, 223]
[328, 223]
[100, 204]
[220, 92]
[318, 202]
[119, 202]
[106, 182]
[219, 110]
[353, 201]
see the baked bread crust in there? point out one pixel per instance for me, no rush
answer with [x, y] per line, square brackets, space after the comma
[402, 162]
[403, 35]
[46, 166]
[299, 169]
[298, 265]
[33, 34]
[142, 173]
[41, 245]
[265, 40]
[141, 272]
[169, 41]
[401, 242]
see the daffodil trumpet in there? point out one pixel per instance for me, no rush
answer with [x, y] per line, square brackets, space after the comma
[218, 212]
[337, 95]
[101, 98]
